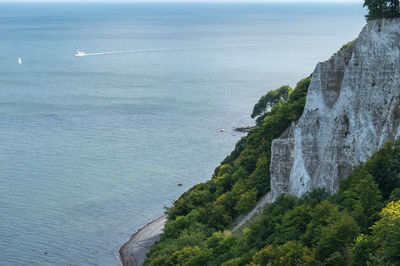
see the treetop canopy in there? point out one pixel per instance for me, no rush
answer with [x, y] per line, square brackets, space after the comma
[382, 9]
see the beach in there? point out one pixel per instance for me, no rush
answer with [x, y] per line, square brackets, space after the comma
[133, 252]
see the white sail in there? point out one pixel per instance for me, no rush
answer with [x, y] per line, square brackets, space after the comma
[19, 61]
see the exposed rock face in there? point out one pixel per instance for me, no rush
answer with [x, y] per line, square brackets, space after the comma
[282, 155]
[352, 109]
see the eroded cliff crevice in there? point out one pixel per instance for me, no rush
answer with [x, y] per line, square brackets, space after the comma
[352, 109]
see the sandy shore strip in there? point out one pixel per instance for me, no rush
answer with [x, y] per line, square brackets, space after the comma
[133, 252]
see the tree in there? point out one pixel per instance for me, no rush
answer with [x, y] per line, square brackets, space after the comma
[384, 166]
[360, 253]
[235, 186]
[321, 215]
[337, 237]
[247, 201]
[362, 198]
[190, 256]
[294, 224]
[290, 253]
[375, 9]
[268, 101]
[173, 229]
[393, 8]
[382, 9]
[385, 235]
[381, 247]
[395, 195]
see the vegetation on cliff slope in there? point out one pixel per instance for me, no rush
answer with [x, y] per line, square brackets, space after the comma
[269, 100]
[237, 184]
[359, 225]
[347, 228]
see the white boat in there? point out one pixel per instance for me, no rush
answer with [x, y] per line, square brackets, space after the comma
[80, 53]
[19, 61]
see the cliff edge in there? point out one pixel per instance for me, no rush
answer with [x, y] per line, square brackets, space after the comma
[352, 109]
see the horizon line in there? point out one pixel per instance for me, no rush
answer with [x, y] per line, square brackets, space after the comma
[189, 1]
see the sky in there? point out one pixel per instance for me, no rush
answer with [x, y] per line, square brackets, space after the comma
[219, 1]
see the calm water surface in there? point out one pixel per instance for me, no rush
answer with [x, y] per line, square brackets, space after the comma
[93, 147]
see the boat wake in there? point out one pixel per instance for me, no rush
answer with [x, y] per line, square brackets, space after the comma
[80, 53]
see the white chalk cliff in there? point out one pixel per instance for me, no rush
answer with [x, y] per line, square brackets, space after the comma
[352, 109]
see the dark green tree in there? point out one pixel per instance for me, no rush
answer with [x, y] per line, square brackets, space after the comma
[268, 101]
[382, 9]
[384, 166]
[393, 10]
[375, 9]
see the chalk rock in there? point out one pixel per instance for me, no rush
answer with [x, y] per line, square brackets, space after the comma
[352, 109]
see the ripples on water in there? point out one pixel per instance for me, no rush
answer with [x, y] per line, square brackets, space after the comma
[93, 147]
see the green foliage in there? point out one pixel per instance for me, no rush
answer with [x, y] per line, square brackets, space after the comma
[237, 184]
[360, 253]
[322, 215]
[266, 231]
[174, 228]
[347, 45]
[382, 9]
[384, 166]
[381, 246]
[347, 228]
[290, 253]
[385, 236]
[268, 101]
[314, 197]
[246, 201]
[361, 198]
[294, 223]
[336, 237]
[395, 195]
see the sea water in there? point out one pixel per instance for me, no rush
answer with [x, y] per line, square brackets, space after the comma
[93, 147]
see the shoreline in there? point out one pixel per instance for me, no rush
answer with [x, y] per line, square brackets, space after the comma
[134, 251]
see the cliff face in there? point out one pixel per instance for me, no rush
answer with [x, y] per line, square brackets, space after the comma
[352, 109]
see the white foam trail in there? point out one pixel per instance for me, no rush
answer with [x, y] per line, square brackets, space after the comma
[80, 53]
[103, 53]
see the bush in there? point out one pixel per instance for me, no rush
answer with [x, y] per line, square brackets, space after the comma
[385, 236]
[247, 201]
[291, 253]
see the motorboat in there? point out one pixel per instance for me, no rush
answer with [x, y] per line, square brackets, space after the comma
[80, 53]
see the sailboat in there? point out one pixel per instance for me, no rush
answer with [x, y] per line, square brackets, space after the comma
[19, 61]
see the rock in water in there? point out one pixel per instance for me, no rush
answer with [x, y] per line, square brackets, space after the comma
[352, 109]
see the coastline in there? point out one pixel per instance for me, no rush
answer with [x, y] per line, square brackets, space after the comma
[134, 251]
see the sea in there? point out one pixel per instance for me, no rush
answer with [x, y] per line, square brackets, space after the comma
[93, 147]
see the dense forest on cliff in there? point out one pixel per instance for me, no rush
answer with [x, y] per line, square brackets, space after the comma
[236, 185]
[358, 225]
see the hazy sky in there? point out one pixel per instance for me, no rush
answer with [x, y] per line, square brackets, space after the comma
[166, 1]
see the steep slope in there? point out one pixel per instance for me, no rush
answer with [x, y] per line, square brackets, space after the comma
[352, 109]
[346, 228]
